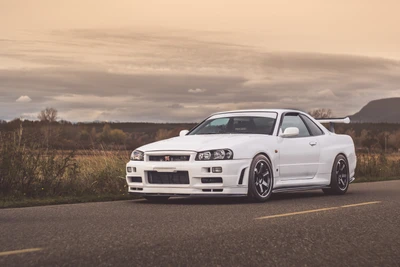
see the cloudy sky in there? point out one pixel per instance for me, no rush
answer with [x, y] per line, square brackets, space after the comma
[179, 60]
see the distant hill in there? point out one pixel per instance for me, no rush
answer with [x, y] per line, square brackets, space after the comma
[381, 110]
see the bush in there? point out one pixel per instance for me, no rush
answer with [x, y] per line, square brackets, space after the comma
[29, 167]
[377, 167]
[102, 172]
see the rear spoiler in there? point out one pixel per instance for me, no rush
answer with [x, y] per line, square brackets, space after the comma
[332, 122]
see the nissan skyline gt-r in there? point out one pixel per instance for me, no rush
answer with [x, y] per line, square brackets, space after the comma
[250, 153]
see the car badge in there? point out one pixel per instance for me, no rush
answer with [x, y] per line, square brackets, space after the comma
[166, 158]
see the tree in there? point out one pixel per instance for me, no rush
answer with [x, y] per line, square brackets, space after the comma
[321, 113]
[93, 134]
[394, 140]
[367, 139]
[48, 115]
[117, 136]
[84, 135]
[105, 134]
[164, 134]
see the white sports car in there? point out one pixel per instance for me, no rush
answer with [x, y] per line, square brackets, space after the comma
[250, 153]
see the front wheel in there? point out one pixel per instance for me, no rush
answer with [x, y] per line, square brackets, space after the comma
[340, 178]
[260, 179]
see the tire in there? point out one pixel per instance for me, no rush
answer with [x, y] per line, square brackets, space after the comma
[261, 179]
[157, 199]
[340, 177]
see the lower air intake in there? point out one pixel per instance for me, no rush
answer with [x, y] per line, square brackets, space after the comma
[181, 177]
[213, 180]
[135, 179]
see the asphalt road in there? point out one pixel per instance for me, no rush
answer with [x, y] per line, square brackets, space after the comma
[361, 228]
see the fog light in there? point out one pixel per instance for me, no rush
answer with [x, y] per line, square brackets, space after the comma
[131, 169]
[216, 169]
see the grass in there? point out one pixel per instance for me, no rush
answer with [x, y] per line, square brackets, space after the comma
[94, 176]
[32, 173]
[377, 167]
[375, 179]
[32, 202]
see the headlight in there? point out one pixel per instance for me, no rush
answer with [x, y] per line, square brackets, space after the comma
[137, 155]
[218, 154]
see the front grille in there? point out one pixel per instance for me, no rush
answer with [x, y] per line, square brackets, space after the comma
[181, 177]
[169, 158]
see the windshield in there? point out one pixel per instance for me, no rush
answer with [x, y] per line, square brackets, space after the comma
[237, 125]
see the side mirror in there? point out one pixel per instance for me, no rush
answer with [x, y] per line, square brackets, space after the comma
[290, 132]
[183, 132]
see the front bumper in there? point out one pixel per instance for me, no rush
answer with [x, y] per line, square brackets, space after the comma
[234, 177]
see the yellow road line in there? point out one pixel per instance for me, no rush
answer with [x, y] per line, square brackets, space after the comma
[296, 213]
[317, 210]
[6, 253]
[361, 204]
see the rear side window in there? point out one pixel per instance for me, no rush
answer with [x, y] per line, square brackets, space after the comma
[314, 129]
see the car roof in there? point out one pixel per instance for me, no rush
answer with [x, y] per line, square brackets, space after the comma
[279, 111]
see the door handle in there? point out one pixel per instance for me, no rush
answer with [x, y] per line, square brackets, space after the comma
[313, 143]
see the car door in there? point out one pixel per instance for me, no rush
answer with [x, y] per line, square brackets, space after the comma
[299, 156]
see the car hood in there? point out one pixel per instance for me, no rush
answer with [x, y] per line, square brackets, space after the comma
[202, 142]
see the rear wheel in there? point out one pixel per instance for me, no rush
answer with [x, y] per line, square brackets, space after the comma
[260, 179]
[157, 199]
[340, 178]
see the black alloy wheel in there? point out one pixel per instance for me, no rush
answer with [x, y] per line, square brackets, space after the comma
[260, 179]
[340, 177]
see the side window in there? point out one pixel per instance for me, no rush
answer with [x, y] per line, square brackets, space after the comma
[315, 130]
[294, 120]
[219, 122]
